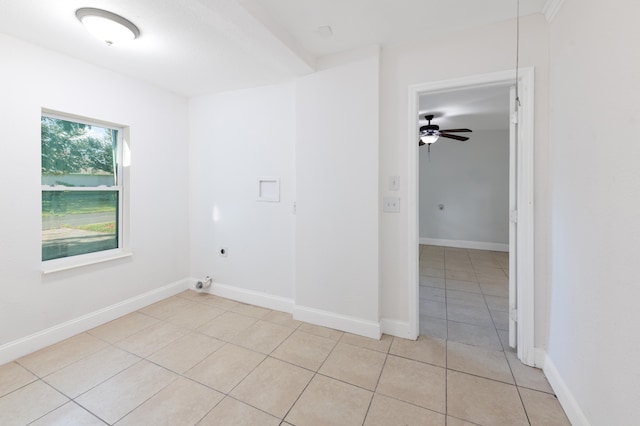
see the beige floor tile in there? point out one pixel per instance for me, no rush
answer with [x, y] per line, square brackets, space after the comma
[273, 386]
[431, 272]
[495, 288]
[452, 421]
[185, 352]
[231, 412]
[147, 341]
[485, 337]
[330, 402]
[432, 281]
[166, 308]
[497, 303]
[262, 337]
[426, 349]
[386, 411]
[282, 318]
[543, 409]
[484, 262]
[318, 330]
[504, 339]
[192, 294]
[528, 377]
[14, 376]
[458, 275]
[55, 357]
[500, 320]
[433, 327]
[226, 367]
[183, 402]
[433, 309]
[432, 263]
[483, 401]
[478, 361]
[459, 265]
[122, 393]
[475, 315]
[468, 286]
[123, 327]
[83, 375]
[466, 298]
[304, 349]
[215, 301]
[380, 345]
[483, 272]
[226, 326]
[195, 315]
[355, 365]
[432, 293]
[250, 310]
[29, 403]
[414, 382]
[67, 415]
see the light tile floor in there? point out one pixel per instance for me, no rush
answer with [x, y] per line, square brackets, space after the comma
[201, 359]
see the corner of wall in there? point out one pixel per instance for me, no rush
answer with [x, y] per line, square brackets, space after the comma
[18, 348]
[551, 8]
[563, 393]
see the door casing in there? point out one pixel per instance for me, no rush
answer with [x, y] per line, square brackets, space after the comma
[524, 262]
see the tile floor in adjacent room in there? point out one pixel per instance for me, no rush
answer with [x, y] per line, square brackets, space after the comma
[201, 359]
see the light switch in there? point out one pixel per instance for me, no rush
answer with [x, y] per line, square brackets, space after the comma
[394, 183]
[391, 204]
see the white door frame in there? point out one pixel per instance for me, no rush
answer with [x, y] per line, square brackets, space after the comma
[525, 215]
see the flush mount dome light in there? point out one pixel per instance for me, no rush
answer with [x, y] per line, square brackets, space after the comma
[107, 26]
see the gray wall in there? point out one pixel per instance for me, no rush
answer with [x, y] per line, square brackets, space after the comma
[471, 180]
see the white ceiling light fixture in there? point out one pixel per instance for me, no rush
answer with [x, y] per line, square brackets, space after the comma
[429, 139]
[107, 26]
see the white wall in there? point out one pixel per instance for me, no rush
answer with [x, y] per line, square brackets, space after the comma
[595, 121]
[471, 180]
[237, 137]
[483, 50]
[337, 277]
[32, 78]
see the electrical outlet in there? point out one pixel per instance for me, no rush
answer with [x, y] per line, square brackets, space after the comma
[391, 204]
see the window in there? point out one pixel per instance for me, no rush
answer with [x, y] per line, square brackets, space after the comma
[82, 187]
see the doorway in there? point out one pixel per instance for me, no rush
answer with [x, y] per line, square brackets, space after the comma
[521, 301]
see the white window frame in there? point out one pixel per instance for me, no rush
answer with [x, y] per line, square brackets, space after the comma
[122, 183]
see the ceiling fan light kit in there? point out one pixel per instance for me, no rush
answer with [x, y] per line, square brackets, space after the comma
[431, 133]
[107, 26]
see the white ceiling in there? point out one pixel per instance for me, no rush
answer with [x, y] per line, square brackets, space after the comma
[195, 47]
[483, 108]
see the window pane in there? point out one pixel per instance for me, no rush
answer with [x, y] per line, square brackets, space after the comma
[78, 222]
[76, 154]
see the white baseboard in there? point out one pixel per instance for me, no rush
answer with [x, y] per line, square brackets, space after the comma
[21, 347]
[337, 321]
[478, 245]
[396, 328]
[565, 396]
[250, 296]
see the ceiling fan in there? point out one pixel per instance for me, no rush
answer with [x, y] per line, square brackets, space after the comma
[431, 132]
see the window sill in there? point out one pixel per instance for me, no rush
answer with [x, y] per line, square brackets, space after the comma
[58, 265]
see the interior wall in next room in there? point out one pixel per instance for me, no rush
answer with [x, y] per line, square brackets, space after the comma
[464, 190]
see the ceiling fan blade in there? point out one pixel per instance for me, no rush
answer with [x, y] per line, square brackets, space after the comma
[420, 143]
[456, 130]
[456, 137]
